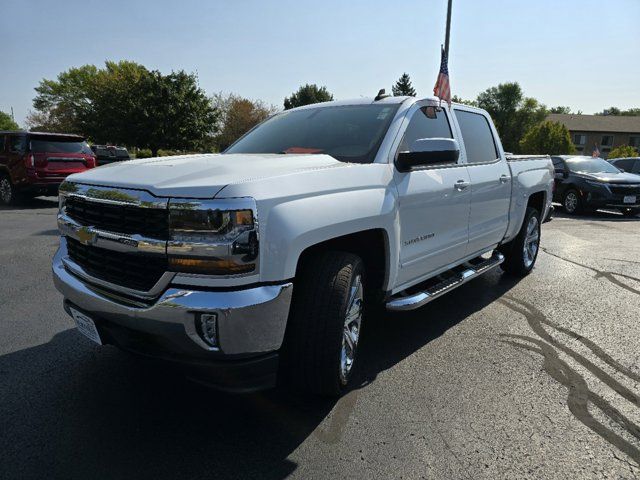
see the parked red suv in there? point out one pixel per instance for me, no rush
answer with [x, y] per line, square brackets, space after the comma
[34, 163]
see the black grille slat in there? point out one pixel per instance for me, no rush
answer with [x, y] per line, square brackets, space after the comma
[127, 219]
[131, 270]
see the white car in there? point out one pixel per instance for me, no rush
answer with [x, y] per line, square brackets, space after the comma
[255, 264]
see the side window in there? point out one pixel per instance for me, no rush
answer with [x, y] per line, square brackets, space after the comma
[422, 125]
[477, 137]
[16, 145]
[636, 167]
[626, 164]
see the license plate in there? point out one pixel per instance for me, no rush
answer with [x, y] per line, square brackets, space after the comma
[86, 326]
[629, 199]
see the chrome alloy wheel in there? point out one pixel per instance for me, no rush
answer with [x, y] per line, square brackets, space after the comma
[531, 242]
[5, 190]
[571, 202]
[351, 329]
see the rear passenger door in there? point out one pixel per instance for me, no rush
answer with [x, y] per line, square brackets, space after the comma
[490, 180]
[433, 202]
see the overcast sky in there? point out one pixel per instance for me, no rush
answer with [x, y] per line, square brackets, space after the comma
[580, 53]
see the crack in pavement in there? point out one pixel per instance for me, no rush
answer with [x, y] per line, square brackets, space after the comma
[579, 395]
[606, 274]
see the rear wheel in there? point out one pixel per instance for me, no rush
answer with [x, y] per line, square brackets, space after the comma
[521, 252]
[7, 191]
[572, 202]
[325, 323]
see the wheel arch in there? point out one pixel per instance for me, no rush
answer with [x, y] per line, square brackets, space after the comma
[372, 246]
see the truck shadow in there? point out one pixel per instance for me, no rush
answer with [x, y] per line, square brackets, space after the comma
[70, 410]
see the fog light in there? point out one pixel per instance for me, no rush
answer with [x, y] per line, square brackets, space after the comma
[208, 328]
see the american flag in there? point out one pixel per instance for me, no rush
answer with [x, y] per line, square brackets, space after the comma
[596, 152]
[442, 90]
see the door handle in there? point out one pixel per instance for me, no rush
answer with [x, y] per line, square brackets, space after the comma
[504, 178]
[460, 185]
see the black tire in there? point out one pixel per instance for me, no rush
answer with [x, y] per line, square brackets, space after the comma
[572, 202]
[313, 346]
[516, 261]
[7, 190]
[629, 212]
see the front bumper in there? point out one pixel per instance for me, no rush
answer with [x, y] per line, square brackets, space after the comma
[251, 322]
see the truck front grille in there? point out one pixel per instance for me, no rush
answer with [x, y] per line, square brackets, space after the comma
[128, 219]
[136, 271]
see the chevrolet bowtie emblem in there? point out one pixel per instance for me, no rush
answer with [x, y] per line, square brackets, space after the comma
[86, 236]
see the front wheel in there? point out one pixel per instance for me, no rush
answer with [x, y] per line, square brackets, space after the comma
[7, 191]
[325, 323]
[521, 252]
[572, 203]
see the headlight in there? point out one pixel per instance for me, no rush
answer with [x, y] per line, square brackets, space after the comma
[213, 237]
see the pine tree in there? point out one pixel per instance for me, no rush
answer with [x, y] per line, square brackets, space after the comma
[403, 87]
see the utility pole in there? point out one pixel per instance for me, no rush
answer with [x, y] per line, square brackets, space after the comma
[446, 41]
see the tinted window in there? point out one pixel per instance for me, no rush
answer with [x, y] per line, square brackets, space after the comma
[636, 167]
[625, 164]
[16, 144]
[425, 125]
[349, 133]
[477, 137]
[58, 145]
[557, 163]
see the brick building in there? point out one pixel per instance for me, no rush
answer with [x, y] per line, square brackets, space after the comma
[603, 131]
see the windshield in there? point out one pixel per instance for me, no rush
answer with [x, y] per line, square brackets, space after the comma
[590, 165]
[59, 145]
[349, 133]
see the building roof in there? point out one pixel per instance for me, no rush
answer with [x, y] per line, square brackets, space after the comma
[597, 123]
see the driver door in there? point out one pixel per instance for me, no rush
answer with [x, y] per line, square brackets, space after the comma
[434, 203]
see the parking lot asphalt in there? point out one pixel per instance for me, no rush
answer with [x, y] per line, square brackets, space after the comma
[537, 378]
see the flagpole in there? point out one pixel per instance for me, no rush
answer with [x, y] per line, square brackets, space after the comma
[446, 41]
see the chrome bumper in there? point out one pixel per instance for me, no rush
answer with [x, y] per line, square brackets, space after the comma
[249, 321]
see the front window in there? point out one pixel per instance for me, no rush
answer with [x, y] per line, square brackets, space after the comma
[59, 145]
[349, 133]
[590, 165]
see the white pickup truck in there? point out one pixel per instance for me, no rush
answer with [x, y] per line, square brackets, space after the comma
[260, 264]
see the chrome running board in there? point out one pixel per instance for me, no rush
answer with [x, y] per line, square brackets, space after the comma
[416, 300]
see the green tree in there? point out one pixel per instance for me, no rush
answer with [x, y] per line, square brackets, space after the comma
[623, 151]
[560, 109]
[632, 112]
[7, 123]
[403, 87]
[512, 112]
[127, 104]
[237, 116]
[306, 95]
[61, 104]
[547, 138]
[457, 99]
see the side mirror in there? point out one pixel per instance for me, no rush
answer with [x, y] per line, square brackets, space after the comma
[560, 173]
[428, 151]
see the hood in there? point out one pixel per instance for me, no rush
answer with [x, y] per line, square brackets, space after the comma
[200, 176]
[622, 177]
